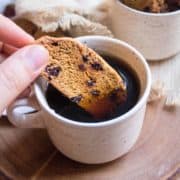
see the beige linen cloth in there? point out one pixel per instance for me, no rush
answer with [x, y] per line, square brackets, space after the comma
[90, 17]
[77, 17]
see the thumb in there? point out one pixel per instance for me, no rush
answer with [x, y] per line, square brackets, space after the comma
[19, 70]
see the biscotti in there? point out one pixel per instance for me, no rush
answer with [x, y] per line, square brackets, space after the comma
[83, 76]
[154, 6]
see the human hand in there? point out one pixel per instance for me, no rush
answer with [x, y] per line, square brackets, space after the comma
[22, 66]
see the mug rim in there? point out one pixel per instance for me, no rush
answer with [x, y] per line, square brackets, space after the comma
[173, 13]
[133, 110]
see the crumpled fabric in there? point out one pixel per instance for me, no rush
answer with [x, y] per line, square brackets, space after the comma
[77, 17]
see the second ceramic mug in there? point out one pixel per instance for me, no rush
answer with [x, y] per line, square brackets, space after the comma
[90, 143]
[156, 36]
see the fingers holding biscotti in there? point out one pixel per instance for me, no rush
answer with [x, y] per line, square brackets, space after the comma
[19, 70]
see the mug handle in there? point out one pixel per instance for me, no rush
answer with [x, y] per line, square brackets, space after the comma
[26, 113]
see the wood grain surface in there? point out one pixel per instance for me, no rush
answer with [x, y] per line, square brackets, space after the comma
[28, 154]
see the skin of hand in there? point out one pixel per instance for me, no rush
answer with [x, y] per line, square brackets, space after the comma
[21, 62]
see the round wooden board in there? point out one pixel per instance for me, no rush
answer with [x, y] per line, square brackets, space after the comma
[29, 154]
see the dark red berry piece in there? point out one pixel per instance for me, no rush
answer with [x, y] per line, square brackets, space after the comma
[53, 71]
[49, 78]
[95, 92]
[114, 94]
[85, 58]
[55, 44]
[76, 99]
[82, 67]
[90, 82]
[96, 66]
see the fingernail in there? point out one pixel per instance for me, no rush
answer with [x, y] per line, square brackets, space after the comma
[36, 57]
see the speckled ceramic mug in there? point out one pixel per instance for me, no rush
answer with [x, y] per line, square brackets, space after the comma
[156, 36]
[90, 143]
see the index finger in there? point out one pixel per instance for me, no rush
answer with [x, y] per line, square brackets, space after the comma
[12, 34]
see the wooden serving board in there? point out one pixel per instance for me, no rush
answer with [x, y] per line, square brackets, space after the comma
[29, 154]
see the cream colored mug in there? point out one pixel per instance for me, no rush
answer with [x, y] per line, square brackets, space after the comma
[156, 36]
[90, 143]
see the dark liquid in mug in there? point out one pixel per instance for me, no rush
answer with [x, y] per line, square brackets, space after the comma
[64, 107]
